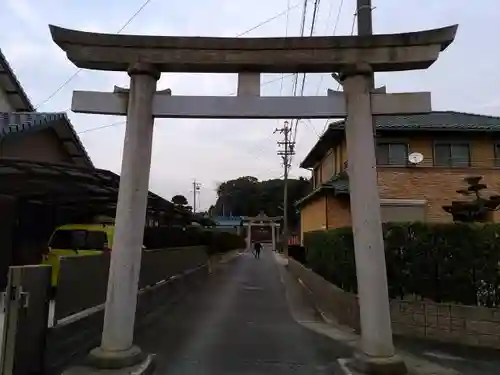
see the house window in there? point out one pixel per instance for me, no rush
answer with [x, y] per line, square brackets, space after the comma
[392, 153]
[497, 154]
[327, 168]
[452, 154]
[317, 177]
[401, 210]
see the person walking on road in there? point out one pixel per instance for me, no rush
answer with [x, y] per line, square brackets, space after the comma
[257, 247]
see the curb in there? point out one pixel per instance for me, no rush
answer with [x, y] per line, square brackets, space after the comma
[222, 259]
[330, 328]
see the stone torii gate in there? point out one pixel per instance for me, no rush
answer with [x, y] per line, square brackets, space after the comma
[145, 57]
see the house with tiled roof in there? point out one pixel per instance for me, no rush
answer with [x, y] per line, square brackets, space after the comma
[35, 136]
[47, 178]
[454, 145]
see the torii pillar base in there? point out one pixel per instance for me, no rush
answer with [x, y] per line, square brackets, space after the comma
[99, 362]
[364, 365]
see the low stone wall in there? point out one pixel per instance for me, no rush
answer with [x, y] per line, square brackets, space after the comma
[468, 325]
[217, 259]
[157, 265]
[69, 341]
[329, 298]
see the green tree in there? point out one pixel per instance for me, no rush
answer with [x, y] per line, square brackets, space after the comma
[204, 220]
[179, 200]
[479, 208]
[247, 196]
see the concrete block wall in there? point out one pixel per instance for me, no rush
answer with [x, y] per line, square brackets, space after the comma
[328, 297]
[468, 325]
[69, 342]
[458, 324]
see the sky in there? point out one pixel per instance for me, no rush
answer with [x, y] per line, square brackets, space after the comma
[465, 78]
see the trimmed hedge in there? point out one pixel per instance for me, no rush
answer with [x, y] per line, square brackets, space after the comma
[164, 237]
[222, 242]
[298, 253]
[216, 242]
[455, 263]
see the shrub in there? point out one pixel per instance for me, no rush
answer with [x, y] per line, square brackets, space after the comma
[330, 251]
[216, 242]
[164, 237]
[456, 263]
[297, 252]
[222, 242]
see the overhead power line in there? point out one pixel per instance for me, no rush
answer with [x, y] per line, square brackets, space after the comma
[302, 30]
[102, 127]
[74, 75]
[123, 121]
[303, 84]
[260, 24]
[286, 34]
[285, 12]
[338, 84]
[341, 5]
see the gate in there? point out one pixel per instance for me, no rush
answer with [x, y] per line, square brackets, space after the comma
[26, 308]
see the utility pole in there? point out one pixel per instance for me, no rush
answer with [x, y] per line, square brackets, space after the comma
[196, 190]
[286, 149]
[365, 23]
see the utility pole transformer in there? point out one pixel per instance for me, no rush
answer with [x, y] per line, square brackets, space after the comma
[286, 149]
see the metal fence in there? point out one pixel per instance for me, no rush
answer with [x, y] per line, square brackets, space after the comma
[83, 281]
[31, 346]
[26, 308]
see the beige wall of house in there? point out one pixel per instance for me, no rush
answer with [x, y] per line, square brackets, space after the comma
[482, 155]
[313, 216]
[43, 146]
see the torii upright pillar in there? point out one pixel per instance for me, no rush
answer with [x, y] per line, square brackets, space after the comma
[249, 235]
[377, 349]
[117, 349]
[273, 235]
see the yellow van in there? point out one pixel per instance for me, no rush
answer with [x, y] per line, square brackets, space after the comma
[77, 240]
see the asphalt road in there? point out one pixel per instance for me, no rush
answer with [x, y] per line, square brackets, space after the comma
[239, 323]
[462, 359]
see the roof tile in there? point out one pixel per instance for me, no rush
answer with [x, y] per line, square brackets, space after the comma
[438, 120]
[17, 122]
[442, 121]
[23, 99]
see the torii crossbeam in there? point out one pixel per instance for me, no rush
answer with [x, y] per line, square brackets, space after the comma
[250, 107]
[145, 57]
